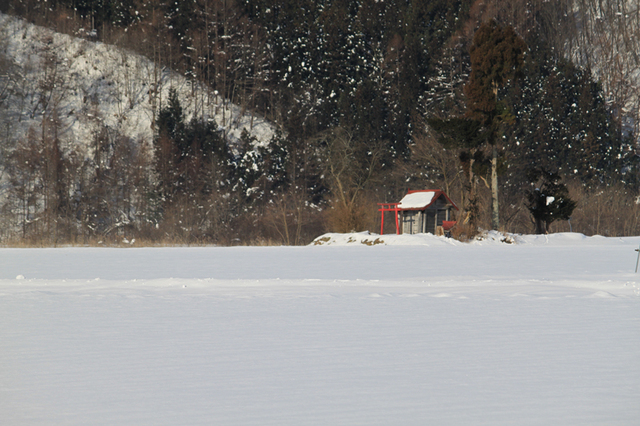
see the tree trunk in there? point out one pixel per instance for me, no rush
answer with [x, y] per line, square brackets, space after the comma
[541, 226]
[495, 217]
[472, 204]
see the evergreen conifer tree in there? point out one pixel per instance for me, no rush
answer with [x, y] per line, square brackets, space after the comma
[497, 54]
[549, 200]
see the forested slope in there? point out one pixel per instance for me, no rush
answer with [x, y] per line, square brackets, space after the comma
[350, 86]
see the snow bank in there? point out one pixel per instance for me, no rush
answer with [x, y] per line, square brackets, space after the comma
[484, 238]
[370, 239]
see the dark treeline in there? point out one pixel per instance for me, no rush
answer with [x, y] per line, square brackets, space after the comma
[352, 86]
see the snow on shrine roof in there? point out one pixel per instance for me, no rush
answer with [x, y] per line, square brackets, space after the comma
[417, 200]
[421, 199]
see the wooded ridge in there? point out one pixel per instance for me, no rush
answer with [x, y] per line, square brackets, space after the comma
[340, 102]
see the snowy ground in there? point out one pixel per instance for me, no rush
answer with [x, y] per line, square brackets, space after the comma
[424, 330]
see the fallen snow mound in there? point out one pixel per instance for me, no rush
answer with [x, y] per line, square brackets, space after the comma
[484, 238]
[370, 239]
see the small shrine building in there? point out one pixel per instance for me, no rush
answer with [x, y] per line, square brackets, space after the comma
[421, 211]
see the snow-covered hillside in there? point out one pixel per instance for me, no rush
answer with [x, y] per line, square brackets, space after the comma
[607, 43]
[541, 331]
[92, 84]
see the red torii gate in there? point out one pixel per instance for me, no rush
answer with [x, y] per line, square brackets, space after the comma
[388, 207]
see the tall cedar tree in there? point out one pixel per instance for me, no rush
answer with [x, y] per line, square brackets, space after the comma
[497, 54]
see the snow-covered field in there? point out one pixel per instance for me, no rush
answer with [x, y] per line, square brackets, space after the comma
[425, 330]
